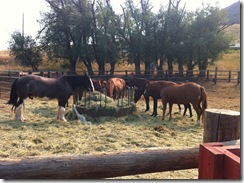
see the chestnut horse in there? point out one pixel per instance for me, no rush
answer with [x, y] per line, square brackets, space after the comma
[151, 89]
[115, 88]
[184, 93]
[36, 86]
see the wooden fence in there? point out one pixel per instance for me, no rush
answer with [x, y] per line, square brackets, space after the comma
[7, 77]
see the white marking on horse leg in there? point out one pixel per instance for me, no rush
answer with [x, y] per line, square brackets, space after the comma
[62, 110]
[58, 114]
[18, 115]
[198, 122]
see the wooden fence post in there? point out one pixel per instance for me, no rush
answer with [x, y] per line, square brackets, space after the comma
[221, 125]
[238, 77]
[215, 75]
[207, 75]
[229, 75]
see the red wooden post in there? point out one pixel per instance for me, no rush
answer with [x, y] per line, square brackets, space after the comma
[219, 162]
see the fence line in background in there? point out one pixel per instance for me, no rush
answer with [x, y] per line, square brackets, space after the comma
[7, 77]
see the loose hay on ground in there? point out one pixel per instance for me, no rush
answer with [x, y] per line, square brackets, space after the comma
[41, 134]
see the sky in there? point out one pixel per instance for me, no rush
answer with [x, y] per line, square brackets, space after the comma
[13, 11]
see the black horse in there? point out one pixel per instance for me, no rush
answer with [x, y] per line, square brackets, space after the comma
[36, 86]
[152, 88]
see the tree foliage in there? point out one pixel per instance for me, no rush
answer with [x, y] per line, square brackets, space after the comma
[25, 50]
[90, 31]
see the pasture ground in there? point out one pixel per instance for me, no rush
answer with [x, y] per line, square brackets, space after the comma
[41, 134]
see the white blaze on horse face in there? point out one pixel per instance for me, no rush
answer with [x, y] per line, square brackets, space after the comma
[92, 86]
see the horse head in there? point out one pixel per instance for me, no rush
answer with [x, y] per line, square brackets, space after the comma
[83, 82]
[138, 93]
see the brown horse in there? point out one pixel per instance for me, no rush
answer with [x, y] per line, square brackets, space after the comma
[99, 84]
[36, 86]
[115, 88]
[151, 89]
[184, 93]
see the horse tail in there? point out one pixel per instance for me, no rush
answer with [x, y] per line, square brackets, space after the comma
[13, 95]
[204, 100]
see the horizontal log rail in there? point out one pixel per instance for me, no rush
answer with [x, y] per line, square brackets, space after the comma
[102, 165]
[99, 166]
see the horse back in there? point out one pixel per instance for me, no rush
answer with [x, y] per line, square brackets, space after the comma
[154, 87]
[182, 93]
[38, 86]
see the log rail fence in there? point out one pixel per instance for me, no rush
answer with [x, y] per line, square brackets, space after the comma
[7, 77]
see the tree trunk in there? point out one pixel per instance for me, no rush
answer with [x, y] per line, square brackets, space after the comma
[170, 65]
[221, 125]
[137, 65]
[72, 66]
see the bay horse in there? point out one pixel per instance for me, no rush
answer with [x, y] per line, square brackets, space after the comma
[151, 89]
[60, 88]
[115, 87]
[184, 93]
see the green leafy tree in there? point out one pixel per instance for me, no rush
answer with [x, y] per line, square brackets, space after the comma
[25, 50]
[104, 33]
[66, 32]
[208, 38]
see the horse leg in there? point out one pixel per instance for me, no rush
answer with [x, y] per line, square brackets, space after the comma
[18, 112]
[190, 111]
[179, 108]
[170, 110]
[61, 110]
[164, 109]
[198, 111]
[147, 103]
[155, 105]
[185, 109]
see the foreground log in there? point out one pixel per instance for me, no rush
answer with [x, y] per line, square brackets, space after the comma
[221, 125]
[100, 166]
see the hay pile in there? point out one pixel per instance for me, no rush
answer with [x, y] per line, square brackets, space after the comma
[96, 104]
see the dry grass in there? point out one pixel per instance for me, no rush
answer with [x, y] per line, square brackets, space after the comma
[228, 61]
[41, 134]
